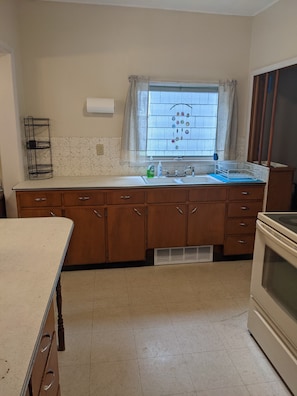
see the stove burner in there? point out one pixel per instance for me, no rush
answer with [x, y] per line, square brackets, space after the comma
[290, 220]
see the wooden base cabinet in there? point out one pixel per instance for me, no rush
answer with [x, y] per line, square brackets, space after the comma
[126, 222]
[166, 217]
[120, 224]
[167, 225]
[206, 219]
[126, 233]
[45, 373]
[206, 224]
[87, 244]
[39, 204]
[244, 203]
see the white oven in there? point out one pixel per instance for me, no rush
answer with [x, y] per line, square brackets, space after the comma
[272, 318]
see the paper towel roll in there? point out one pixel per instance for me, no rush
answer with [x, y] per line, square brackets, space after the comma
[100, 105]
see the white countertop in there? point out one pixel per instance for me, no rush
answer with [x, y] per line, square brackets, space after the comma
[32, 253]
[65, 182]
[85, 182]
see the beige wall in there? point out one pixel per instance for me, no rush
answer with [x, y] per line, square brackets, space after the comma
[71, 52]
[274, 34]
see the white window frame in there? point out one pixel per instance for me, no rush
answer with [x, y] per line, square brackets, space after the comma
[170, 133]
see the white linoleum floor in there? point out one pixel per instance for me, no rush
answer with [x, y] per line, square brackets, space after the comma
[168, 330]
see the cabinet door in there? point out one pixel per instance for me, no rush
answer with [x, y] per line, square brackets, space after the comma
[126, 233]
[206, 223]
[167, 225]
[87, 244]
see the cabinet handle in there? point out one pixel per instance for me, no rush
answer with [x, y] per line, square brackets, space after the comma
[40, 199]
[244, 192]
[97, 213]
[52, 214]
[243, 224]
[125, 196]
[46, 347]
[244, 208]
[86, 198]
[137, 212]
[194, 210]
[242, 241]
[179, 210]
[47, 387]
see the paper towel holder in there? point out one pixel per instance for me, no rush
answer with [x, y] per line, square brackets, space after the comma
[100, 105]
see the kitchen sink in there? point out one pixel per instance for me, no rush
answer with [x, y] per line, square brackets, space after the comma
[200, 179]
[197, 179]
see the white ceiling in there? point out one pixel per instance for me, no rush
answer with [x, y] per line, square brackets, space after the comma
[226, 7]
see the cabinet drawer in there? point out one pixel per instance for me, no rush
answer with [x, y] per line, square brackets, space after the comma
[83, 198]
[239, 244]
[166, 195]
[50, 381]
[44, 347]
[244, 209]
[245, 225]
[41, 212]
[38, 199]
[246, 192]
[130, 196]
[201, 194]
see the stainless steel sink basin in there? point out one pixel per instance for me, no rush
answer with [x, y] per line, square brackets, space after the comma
[198, 179]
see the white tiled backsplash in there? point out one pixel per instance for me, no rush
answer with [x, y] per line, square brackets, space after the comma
[77, 156]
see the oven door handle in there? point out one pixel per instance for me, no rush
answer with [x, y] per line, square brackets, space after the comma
[281, 241]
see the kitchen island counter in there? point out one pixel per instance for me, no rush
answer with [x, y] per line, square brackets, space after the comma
[32, 253]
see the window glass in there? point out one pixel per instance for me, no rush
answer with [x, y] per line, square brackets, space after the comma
[182, 120]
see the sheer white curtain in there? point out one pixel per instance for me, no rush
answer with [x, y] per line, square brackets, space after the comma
[227, 120]
[134, 134]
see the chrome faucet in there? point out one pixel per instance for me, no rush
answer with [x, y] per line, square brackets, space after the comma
[191, 169]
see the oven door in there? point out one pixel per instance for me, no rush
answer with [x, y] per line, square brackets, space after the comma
[274, 279]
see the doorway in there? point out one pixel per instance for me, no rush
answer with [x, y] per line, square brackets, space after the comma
[11, 157]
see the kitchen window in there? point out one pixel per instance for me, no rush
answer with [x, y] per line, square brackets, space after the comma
[182, 120]
[170, 120]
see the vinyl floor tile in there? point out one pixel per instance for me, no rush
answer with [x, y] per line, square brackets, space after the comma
[172, 330]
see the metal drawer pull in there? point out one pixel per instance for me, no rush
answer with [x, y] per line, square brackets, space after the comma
[47, 387]
[137, 211]
[243, 224]
[45, 348]
[86, 198]
[97, 213]
[179, 210]
[194, 210]
[244, 192]
[52, 214]
[40, 199]
[242, 241]
[125, 196]
[244, 208]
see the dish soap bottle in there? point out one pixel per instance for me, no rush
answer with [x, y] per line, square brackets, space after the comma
[159, 169]
[150, 170]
